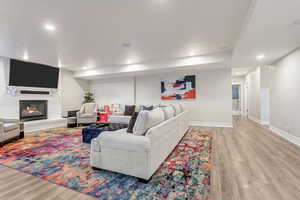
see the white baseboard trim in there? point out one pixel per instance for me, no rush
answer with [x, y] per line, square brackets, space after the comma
[254, 119]
[211, 124]
[236, 113]
[286, 135]
[264, 123]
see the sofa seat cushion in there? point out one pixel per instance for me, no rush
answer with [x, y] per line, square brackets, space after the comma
[148, 119]
[121, 140]
[87, 115]
[122, 119]
[10, 126]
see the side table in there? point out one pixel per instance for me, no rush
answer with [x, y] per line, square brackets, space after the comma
[21, 136]
[72, 122]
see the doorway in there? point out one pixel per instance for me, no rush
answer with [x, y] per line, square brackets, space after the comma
[236, 99]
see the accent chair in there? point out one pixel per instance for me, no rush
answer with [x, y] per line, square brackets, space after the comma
[9, 128]
[87, 114]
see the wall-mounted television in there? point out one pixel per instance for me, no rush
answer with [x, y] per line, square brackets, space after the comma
[27, 74]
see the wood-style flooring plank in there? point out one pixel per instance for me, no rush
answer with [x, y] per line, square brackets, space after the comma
[249, 163]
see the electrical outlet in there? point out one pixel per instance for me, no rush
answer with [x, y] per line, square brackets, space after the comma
[287, 128]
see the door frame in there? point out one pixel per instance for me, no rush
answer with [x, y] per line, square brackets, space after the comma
[243, 96]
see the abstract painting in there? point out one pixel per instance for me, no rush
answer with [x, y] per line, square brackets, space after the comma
[177, 88]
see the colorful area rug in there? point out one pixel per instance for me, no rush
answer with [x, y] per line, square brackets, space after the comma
[59, 156]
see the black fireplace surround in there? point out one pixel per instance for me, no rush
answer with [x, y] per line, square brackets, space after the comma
[33, 110]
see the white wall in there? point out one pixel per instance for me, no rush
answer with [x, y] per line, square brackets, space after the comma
[213, 105]
[114, 90]
[72, 91]
[285, 94]
[253, 94]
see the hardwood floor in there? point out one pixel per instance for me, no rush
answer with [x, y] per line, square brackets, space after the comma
[250, 163]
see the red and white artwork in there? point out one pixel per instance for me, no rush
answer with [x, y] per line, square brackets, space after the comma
[177, 88]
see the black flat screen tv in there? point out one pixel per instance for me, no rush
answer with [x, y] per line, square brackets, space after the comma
[27, 74]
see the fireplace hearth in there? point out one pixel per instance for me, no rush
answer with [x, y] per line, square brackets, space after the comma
[33, 110]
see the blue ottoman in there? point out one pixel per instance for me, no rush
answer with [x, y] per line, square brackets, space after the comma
[93, 131]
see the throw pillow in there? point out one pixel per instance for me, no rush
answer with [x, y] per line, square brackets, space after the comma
[132, 122]
[129, 110]
[148, 119]
[148, 108]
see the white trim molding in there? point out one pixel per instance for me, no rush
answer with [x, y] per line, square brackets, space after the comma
[265, 123]
[254, 119]
[211, 124]
[236, 113]
[286, 135]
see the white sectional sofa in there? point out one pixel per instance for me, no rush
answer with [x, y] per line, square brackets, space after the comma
[141, 155]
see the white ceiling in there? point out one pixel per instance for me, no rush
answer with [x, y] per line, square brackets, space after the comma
[160, 33]
[242, 71]
[91, 33]
[269, 30]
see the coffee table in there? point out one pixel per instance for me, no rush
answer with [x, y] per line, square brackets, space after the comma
[95, 130]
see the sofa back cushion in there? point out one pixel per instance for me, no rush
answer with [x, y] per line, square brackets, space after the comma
[177, 108]
[169, 112]
[147, 119]
[89, 108]
[183, 106]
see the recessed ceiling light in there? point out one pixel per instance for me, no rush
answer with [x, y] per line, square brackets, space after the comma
[50, 27]
[84, 67]
[260, 56]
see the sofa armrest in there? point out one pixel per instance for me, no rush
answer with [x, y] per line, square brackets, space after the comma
[1, 128]
[123, 141]
[11, 121]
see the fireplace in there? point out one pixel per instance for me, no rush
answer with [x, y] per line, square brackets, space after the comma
[33, 110]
